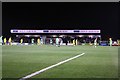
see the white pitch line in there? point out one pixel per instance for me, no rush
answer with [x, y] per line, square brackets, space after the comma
[52, 66]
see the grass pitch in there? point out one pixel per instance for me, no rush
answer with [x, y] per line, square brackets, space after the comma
[100, 62]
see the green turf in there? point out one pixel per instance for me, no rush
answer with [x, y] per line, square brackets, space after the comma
[99, 62]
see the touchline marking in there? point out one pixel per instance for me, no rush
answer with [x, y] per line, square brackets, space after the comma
[52, 66]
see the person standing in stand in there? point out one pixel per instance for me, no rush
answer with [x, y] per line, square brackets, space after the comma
[10, 41]
[95, 42]
[57, 42]
[110, 41]
[21, 41]
[5, 41]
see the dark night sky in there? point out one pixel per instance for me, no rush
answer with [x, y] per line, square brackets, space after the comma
[63, 15]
